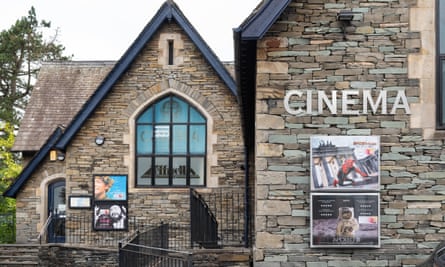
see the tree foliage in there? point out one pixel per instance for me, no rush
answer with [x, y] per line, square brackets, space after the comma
[22, 50]
[9, 166]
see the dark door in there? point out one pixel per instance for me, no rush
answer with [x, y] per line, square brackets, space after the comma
[56, 209]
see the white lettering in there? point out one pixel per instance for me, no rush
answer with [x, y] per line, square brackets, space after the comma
[374, 105]
[401, 97]
[345, 102]
[323, 98]
[295, 105]
[287, 98]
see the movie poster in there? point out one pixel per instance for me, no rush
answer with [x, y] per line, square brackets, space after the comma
[345, 220]
[110, 216]
[341, 163]
[110, 187]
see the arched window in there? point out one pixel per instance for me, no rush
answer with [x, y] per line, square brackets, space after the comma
[170, 145]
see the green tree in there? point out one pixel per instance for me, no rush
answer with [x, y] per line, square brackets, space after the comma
[22, 50]
[9, 169]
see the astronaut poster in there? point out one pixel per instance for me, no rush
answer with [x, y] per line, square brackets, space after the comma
[340, 163]
[345, 220]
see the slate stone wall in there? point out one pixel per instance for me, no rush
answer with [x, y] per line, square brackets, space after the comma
[306, 49]
[149, 78]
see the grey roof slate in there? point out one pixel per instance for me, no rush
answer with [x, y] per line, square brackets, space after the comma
[60, 91]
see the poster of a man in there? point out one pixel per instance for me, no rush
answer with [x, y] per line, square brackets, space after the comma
[110, 187]
[345, 163]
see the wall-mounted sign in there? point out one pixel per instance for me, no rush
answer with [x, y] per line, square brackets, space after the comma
[345, 220]
[352, 102]
[79, 202]
[345, 163]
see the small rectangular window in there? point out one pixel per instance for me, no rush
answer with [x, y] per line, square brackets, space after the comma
[170, 52]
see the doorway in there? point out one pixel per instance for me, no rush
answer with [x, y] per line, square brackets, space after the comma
[56, 209]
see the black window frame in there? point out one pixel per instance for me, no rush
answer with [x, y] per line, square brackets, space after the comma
[171, 155]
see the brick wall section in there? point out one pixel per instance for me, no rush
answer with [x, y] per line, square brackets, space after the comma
[305, 49]
[146, 79]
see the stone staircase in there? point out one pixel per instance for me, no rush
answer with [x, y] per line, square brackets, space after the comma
[17, 255]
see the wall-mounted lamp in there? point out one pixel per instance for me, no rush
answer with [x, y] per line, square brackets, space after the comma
[56, 155]
[99, 140]
[345, 16]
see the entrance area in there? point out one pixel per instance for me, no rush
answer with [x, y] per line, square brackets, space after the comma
[56, 210]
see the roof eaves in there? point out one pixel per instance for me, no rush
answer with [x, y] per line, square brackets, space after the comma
[35, 162]
[258, 24]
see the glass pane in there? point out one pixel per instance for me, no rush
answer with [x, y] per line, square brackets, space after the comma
[161, 171]
[197, 171]
[146, 117]
[195, 116]
[144, 139]
[179, 171]
[442, 26]
[179, 110]
[162, 137]
[197, 138]
[162, 111]
[179, 139]
[144, 171]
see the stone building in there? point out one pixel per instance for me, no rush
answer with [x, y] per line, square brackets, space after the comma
[303, 69]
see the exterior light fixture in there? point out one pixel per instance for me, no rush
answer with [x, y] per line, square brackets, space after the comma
[60, 156]
[100, 140]
[345, 16]
[56, 155]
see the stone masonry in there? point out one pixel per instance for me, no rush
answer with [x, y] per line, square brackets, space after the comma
[148, 79]
[306, 49]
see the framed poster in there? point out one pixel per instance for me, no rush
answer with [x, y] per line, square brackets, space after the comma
[110, 215]
[345, 220]
[341, 163]
[79, 202]
[110, 187]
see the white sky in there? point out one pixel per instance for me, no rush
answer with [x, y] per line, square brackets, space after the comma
[104, 29]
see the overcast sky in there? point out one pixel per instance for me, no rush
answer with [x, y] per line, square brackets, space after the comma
[104, 29]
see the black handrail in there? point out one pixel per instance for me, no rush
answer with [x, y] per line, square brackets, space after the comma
[203, 224]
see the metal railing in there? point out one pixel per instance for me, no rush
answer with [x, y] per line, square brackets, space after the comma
[227, 204]
[135, 255]
[151, 248]
[217, 220]
[203, 224]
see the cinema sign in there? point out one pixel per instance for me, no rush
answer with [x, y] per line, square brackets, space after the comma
[349, 102]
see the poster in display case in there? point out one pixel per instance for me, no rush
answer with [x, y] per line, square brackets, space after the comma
[110, 215]
[342, 163]
[345, 220]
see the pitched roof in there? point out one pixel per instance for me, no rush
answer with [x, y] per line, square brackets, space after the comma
[13, 190]
[261, 19]
[60, 91]
[79, 114]
[168, 11]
